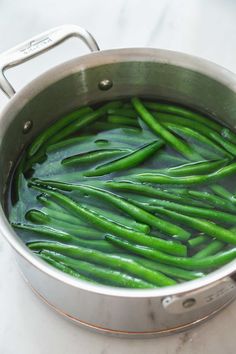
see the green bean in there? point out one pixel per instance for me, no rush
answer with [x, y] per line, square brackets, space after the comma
[227, 145]
[146, 202]
[201, 128]
[78, 230]
[37, 216]
[129, 135]
[39, 157]
[164, 157]
[124, 112]
[182, 262]
[68, 177]
[164, 179]
[197, 241]
[145, 189]
[207, 227]
[122, 120]
[224, 193]
[195, 211]
[78, 139]
[91, 156]
[218, 202]
[62, 267]
[197, 136]
[17, 179]
[106, 225]
[43, 199]
[226, 133]
[103, 274]
[194, 168]
[184, 112]
[210, 154]
[81, 122]
[112, 261]
[160, 130]
[62, 216]
[100, 127]
[134, 211]
[68, 142]
[119, 219]
[210, 249]
[56, 127]
[171, 271]
[53, 233]
[65, 237]
[128, 161]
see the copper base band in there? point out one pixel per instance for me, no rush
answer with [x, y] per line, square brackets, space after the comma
[129, 334]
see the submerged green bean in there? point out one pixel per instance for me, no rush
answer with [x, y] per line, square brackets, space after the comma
[103, 274]
[124, 112]
[122, 120]
[44, 200]
[194, 168]
[82, 122]
[106, 225]
[80, 230]
[92, 156]
[69, 142]
[134, 211]
[63, 216]
[224, 193]
[165, 179]
[210, 249]
[195, 211]
[201, 128]
[218, 202]
[122, 220]
[160, 130]
[61, 266]
[128, 161]
[198, 137]
[56, 127]
[51, 232]
[182, 112]
[182, 262]
[113, 261]
[109, 126]
[171, 271]
[191, 115]
[205, 226]
[197, 241]
[65, 237]
[145, 189]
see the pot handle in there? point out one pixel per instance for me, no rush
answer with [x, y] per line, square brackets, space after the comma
[38, 45]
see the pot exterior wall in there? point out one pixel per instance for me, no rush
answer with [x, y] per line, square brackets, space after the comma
[125, 315]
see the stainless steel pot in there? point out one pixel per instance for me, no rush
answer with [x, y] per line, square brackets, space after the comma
[93, 78]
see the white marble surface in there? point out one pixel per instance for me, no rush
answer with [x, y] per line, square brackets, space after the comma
[204, 28]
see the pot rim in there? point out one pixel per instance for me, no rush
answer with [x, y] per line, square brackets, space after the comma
[88, 61]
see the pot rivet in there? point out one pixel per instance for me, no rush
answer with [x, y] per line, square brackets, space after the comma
[189, 303]
[105, 84]
[27, 126]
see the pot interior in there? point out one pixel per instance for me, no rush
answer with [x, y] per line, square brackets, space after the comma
[146, 73]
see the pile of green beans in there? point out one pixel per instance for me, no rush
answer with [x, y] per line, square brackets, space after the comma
[134, 194]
